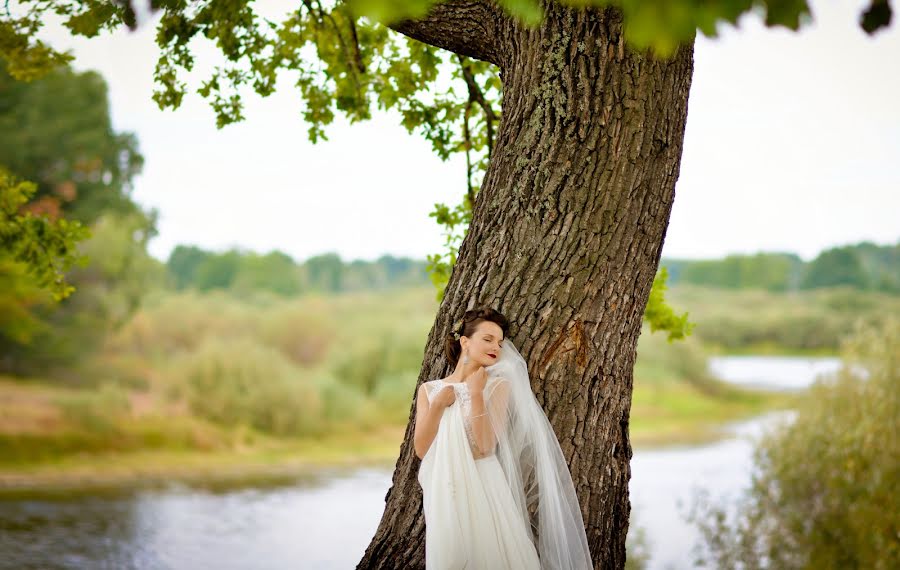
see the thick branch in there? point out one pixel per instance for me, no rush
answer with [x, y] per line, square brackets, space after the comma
[466, 27]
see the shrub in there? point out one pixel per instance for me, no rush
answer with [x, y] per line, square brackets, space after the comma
[342, 404]
[685, 360]
[394, 396]
[95, 410]
[375, 354]
[173, 323]
[240, 381]
[301, 330]
[824, 491]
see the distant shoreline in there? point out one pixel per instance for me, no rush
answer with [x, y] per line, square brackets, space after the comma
[140, 471]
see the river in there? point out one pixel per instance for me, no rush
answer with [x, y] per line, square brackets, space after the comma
[326, 522]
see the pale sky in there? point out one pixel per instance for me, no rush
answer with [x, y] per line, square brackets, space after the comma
[792, 144]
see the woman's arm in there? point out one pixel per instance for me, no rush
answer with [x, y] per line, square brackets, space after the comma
[426, 423]
[482, 430]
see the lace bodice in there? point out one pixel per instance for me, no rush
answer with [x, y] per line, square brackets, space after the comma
[464, 399]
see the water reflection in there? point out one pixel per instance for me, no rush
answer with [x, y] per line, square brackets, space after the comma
[773, 372]
[84, 533]
[303, 525]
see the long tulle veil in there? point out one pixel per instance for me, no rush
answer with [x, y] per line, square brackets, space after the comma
[532, 460]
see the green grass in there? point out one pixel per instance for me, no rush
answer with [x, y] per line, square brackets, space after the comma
[677, 415]
[256, 463]
[676, 400]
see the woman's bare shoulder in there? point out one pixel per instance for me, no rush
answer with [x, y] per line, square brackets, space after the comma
[429, 386]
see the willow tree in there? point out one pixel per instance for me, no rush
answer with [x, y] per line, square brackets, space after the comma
[569, 189]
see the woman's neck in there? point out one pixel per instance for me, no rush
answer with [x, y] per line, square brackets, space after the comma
[461, 374]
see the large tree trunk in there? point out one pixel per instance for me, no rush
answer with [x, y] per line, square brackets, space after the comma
[565, 241]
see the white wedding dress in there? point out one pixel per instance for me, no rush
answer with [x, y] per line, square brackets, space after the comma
[471, 517]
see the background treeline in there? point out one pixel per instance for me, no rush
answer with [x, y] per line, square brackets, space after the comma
[56, 132]
[865, 266]
[191, 267]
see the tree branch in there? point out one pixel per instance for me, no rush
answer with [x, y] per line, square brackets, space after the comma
[465, 27]
[476, 95]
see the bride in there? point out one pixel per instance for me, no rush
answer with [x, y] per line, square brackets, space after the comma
[496, 490]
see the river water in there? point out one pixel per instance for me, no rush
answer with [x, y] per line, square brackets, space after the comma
[326, 522]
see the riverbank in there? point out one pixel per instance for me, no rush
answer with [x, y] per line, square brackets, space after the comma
[267, 461]
[673, 413]
[208, 386]
[661, 416]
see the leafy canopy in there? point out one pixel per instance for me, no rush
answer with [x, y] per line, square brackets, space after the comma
[46, 247]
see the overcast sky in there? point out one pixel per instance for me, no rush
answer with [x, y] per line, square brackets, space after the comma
[792, 144]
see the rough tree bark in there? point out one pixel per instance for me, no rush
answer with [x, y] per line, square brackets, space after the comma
[565, 241]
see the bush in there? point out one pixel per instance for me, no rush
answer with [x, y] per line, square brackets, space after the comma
[685, 360]
[173, 323]
[301, 330]
[95, 410]
[394, 396]
[240, 381]
[809, 321]
[375, 356]
[824, 494]
[343, 404]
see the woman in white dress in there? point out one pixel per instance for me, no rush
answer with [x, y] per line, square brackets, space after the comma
[497, 493]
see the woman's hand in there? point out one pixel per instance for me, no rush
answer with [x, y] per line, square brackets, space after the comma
[477, 380]
[444, 397]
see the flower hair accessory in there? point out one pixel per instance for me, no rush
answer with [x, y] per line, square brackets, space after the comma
[457, 326]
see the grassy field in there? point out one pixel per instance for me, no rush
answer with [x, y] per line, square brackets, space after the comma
[209, 387]
[40, 449]
[155, 449]
[681, 414]
[755, 321]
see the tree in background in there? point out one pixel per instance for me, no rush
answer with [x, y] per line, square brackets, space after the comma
[56, 133]
[110, 288]
[770, 271]
[183, 263]
[882, 265]
[568, 221]
[864, 266]
[245, 271]
[837, 266]
[35, 248]
[323, 272]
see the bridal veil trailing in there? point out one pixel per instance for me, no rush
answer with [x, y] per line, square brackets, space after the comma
[506, 499]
